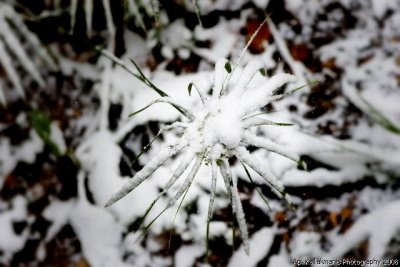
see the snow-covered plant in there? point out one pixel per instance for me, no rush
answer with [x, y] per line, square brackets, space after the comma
[88, 10]
[218, 131]
[138, 9]
[13, 34]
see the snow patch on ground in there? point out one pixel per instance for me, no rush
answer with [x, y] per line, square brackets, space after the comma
[260, 243]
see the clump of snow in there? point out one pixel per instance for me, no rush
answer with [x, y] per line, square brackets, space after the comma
[305, 245]
[207, 6]
[262, 4]
[58, 212]
[10, 242]
[99, 233]
[100, 156]
[381, 7]
[279, 260]
[176, 38]
[186, 255]
[222, 36]
[11, 155]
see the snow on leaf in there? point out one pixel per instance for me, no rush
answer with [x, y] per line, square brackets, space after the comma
[144, 173]
[207, 139]
[13, 34]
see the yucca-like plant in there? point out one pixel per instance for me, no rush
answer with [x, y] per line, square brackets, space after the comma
[221, 129]
[13, 34]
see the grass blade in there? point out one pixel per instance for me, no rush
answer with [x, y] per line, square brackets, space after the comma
[256, 187]
[280, 96]
[211, 203]
[379, 118]
[176, 213]
[147, 81]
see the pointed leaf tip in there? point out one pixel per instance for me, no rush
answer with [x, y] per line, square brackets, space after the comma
[247, 250]
[109, 203]
[228, 67]
[190, 87]
[303, 165]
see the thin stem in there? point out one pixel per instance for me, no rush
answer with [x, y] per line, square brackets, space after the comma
[252, 122]
[184, 187]
[161, 131]
[280, 96]
[141, 78]
[239, 58]
[146, 80]
[297, 67]
[176, 213]
[188, 158]
[276, 186]
[184, 110]
[197, 10]
[255, 186]
[200, 91]
[236, 204]
[211, 203]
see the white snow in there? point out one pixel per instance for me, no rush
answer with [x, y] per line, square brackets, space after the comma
[10, 156]
[260, 243]
[382, 6]
[216, 130]
[305, 245]
[175, 37]
[10, 242]
[186, 255]
[58, 213]
[98, 231]
[378, 227]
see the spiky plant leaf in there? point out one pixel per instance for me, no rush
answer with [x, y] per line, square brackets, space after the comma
[228, 67]
[190, 86]
[41, 124]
